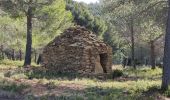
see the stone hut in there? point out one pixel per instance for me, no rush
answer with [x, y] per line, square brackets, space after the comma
[78, 50]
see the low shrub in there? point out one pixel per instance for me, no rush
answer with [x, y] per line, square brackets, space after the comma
[51, 84]
[117, 73]
[12, 87]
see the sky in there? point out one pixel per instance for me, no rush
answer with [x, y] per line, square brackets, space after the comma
[87, 1]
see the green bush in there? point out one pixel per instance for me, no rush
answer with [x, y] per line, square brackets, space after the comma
[12, 87]
[117, 73]
[167, 93]
[8, 74]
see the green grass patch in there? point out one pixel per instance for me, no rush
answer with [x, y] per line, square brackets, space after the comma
[12, 87]
[11, 63]
[6, 63]
[143, 73]
[50, 74]
[132, 85]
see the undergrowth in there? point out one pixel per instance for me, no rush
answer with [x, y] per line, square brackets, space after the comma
[129, 84]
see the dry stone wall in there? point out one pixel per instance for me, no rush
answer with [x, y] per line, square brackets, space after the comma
[77, 50]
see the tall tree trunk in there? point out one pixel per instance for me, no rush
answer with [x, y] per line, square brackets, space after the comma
[166, 62]
[39, 59]
[132, 44]
[13, 54]
[29, 37]
[2, 52]
[20, 55]
[146, 62]
[141, 56]
[35, 56]
[152, 52]
[124, 62]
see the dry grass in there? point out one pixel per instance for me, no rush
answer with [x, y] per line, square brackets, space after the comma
[49, 86]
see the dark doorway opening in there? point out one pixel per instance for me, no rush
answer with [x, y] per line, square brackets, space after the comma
[103, 61]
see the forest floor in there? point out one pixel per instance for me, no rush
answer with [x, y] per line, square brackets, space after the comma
[36, 84]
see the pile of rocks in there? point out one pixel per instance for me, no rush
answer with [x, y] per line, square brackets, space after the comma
[77, 50]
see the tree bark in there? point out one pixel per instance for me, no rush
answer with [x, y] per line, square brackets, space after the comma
[132, 45]
[146, 62]
[20, 55]
[13, 54]
[29, 37]
[35, 56]
[166, 61]
[152, 52]
[141, 56]
[39, 59]
[2, 52]
[124, 62]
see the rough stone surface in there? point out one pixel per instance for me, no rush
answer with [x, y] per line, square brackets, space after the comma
[77, 50]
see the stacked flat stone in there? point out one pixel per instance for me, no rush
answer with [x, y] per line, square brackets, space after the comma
[77, 50]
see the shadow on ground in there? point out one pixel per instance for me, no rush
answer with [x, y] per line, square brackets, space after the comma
[39, 74]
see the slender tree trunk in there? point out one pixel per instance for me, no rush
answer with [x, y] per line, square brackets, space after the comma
[39, 59]
[132, 44]
[152, 52]
[13, 54]
[146, 62]
[124, 62]
[2, 52]
[20, 55]
[29, 37]
[141, 56]
[35, 56]
[166, 62]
